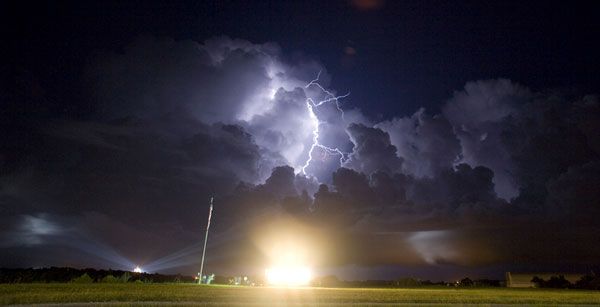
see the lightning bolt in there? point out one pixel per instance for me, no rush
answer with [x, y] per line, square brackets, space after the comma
[310, 105]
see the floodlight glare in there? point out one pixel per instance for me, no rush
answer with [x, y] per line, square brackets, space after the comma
[138, 270]
[288, 276]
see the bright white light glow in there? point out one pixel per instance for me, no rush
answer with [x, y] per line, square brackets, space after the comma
[138, 270]
[272, 93]
[288, 276]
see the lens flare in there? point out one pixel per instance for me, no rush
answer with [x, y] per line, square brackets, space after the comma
[137, 269]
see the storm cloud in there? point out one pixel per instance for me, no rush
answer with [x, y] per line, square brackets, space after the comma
[175, 122]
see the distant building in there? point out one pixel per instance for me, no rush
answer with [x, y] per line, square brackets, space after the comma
[523, 280]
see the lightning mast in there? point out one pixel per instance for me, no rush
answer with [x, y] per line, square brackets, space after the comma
[205, 240]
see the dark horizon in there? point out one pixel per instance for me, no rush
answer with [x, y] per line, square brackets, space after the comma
[68, 274]
[366, 138]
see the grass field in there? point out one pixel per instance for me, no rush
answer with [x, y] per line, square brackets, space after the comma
[189, 294]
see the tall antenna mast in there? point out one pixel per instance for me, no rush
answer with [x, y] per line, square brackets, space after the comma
[205, 239]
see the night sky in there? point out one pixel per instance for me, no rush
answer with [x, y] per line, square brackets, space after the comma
[378, 138]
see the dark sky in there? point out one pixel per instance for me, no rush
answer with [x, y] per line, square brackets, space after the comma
[468, 144]
[408, 53]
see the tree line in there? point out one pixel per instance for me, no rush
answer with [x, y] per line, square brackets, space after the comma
[63, 274]
[589, 282]
[405, 282]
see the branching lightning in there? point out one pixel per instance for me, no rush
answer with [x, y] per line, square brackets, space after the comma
[330, 96]
[311, 104]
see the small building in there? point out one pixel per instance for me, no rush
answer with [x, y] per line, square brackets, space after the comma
[523, 280]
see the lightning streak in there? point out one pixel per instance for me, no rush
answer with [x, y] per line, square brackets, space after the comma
[330, 96]
[310, 105]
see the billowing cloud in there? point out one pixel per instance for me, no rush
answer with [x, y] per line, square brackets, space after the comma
[172, 123]
[426, 144]
[477, 115]
[372, 151]
[220, 80]
[155, 77]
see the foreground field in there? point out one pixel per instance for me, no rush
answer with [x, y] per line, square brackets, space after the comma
[189, 294]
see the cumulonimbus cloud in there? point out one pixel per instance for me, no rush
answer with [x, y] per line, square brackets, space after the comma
[176, 121]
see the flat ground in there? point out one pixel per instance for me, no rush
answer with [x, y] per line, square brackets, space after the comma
[189, 294]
